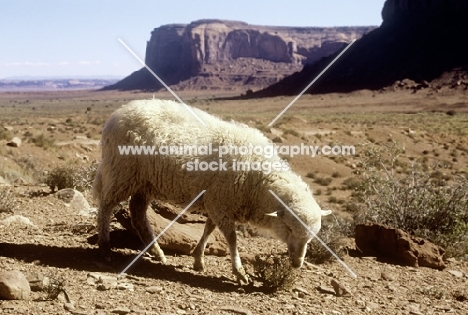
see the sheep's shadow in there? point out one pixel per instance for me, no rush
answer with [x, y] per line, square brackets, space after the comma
[88, 259]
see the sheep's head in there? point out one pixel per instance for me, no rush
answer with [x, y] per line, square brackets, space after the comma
[297, 224]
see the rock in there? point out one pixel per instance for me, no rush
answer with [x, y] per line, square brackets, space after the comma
[8, 128]
[37, 282]
[102, 282]
[3, 182]
[15, 142]
[212, 49]
[180, 238]
[76, 201]
[340, 290]
[388, 276]
[326, 290]
[17, 219]
[154, 289]
[398, 246]
[456, 273]
[399, 46]
[125, 286]
[121, 310]
[14, 286]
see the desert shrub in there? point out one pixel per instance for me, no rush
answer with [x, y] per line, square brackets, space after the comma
[336, 174]
[323, 181]
[332, 234]
[291, 132]
[275, 272]
[7, 200]
[352, 183]
[43, 142]
[277, 140]
[54, 287]
[5, 134]
[79, 178]
[423, 203]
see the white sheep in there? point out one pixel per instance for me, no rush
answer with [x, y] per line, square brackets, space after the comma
[231, 195]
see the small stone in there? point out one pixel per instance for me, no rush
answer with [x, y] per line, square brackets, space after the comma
[154, 289]
[68, 306]
[37, 282]
[121, 310]
[301, 290]
[456, 273]
[102, 281]
[17, 219]
[340, 290]
[125, 286]
[372, 305]
[388, 276]
[324, 289]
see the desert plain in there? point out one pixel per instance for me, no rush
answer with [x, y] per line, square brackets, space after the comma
[63, 128]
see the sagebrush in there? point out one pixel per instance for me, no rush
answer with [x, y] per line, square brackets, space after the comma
[7, 200]
[422, 200]
[275, 272]
[76, 177]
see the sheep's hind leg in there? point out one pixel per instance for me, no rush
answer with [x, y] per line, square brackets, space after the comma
[229, 230]
[199, 251]
[103, 222]
[138, 207]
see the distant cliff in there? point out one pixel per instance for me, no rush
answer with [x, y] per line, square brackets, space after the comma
[211, 54]
[418, 39]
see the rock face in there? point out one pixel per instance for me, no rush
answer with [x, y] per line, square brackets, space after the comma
[395, 9]
[398, 246]
[233, 51]
[420, 40]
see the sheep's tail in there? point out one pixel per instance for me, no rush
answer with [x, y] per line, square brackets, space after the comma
[97, 185]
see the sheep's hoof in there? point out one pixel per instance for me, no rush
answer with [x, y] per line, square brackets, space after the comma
[199, 265]
[106, 255]
[158, 255]
[241, 276]
[161, 259]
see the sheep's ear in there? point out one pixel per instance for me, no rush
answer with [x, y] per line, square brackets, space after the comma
[326, 212]
[279, 213]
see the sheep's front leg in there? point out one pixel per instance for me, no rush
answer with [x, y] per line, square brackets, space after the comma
[229, 230]
[199, 251]
[138, 207]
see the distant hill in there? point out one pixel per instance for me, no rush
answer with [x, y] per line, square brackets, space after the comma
[421, 40]
[53, 84]
[230, 55]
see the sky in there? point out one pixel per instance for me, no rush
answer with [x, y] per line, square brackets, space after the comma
[45, 38]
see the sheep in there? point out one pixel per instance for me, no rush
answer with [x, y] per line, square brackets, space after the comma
[232, 195]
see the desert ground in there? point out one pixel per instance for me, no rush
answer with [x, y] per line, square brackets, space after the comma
[63, 128]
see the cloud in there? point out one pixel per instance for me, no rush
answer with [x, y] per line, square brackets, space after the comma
[26, 64]
[64, 63]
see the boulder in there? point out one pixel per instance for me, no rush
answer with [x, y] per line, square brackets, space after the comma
[13, 286]
[182, 236]
[15, 142]
[398, 246]
[75, 199]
